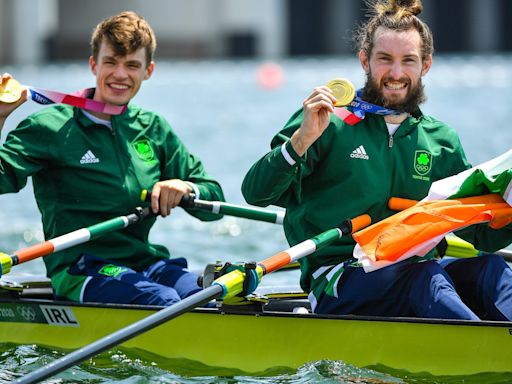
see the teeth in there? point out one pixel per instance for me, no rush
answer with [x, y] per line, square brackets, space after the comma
[395, 86]
[119, 86]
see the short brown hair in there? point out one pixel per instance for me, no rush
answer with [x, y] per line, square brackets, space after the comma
[126, 32]
[397, 15]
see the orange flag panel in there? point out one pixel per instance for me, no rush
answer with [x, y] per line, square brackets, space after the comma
[390, 238]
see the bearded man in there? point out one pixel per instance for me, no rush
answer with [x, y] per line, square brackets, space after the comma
[324, 169]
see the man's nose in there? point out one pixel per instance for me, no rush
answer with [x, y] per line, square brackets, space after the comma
[396, 70]
[119, 72]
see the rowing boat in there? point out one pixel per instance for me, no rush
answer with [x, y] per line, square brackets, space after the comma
[263, 335]
[274, 333]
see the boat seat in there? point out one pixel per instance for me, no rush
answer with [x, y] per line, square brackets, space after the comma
[26, 286]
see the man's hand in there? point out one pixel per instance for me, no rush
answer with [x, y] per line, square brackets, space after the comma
[7, 108]
[317, 109]
[167, 194]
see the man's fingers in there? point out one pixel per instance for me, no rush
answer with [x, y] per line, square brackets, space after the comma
[155, 197]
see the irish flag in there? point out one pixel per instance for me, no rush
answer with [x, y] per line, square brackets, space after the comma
[482, 194]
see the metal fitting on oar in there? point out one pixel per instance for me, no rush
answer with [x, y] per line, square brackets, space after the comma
[249, 276]
[251, 279]
[139, 215]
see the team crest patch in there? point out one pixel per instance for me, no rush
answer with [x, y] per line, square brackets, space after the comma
[112, 270]
[144, 150]
[422, 162]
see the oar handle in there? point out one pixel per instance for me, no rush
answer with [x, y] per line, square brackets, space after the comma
[187, 201]
[399, 204]
[359, 222]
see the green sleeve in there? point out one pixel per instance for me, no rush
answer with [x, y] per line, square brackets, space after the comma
[273, 179]
[24, 153]
[179, 161]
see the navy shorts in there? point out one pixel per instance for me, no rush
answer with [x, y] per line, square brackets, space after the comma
[163, 283]
[471, 289]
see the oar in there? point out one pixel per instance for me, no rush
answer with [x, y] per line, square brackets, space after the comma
[456, 247]
[226, 286]
[253, 213]
[71, 239]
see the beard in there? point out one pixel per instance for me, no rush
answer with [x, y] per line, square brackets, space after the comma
[373, 94]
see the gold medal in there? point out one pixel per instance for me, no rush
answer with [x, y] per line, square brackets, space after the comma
[343, 91]
[10, 92]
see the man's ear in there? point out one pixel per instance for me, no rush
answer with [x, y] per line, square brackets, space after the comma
[427, 63]
[92, 65]
[149, 70]
[363, 59]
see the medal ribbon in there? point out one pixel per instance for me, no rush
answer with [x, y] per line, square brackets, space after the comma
[77, 99]
[360, 108]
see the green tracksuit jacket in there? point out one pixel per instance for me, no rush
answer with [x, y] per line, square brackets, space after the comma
[84, 173]
[351, 170]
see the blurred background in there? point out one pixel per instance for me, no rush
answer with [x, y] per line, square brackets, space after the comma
[229, 74]
[50, 30]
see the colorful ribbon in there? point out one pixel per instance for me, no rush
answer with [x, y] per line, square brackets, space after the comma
[78, 99]
[360, 108]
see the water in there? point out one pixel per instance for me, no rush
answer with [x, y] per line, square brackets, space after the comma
[227, 119]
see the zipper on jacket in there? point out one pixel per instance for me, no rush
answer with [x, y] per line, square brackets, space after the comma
[390, 141]
[118, 148]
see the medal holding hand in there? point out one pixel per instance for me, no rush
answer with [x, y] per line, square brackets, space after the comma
[317, 109]
[12, 95]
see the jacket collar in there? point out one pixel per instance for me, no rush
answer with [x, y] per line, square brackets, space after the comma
[85, 122]
[406, 127]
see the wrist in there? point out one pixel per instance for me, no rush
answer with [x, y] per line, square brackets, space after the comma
[300, 143]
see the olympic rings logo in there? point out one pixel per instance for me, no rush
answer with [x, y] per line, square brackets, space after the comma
[27, 313]
[422, 168]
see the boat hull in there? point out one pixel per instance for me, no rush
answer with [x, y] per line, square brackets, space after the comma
[215, 341]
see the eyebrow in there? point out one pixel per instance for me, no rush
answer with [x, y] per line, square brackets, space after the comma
[115, 58]
[409, 55]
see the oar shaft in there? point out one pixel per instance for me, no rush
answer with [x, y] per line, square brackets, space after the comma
[461, 248]
[259, 214]
[320, 241]
[69, 240]
[232, 283]
[122, 335]
[222, 208]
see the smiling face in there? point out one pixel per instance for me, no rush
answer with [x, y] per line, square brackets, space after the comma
[395, 68]
[118, 78]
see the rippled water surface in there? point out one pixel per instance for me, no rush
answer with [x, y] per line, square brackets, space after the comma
[228, 119]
